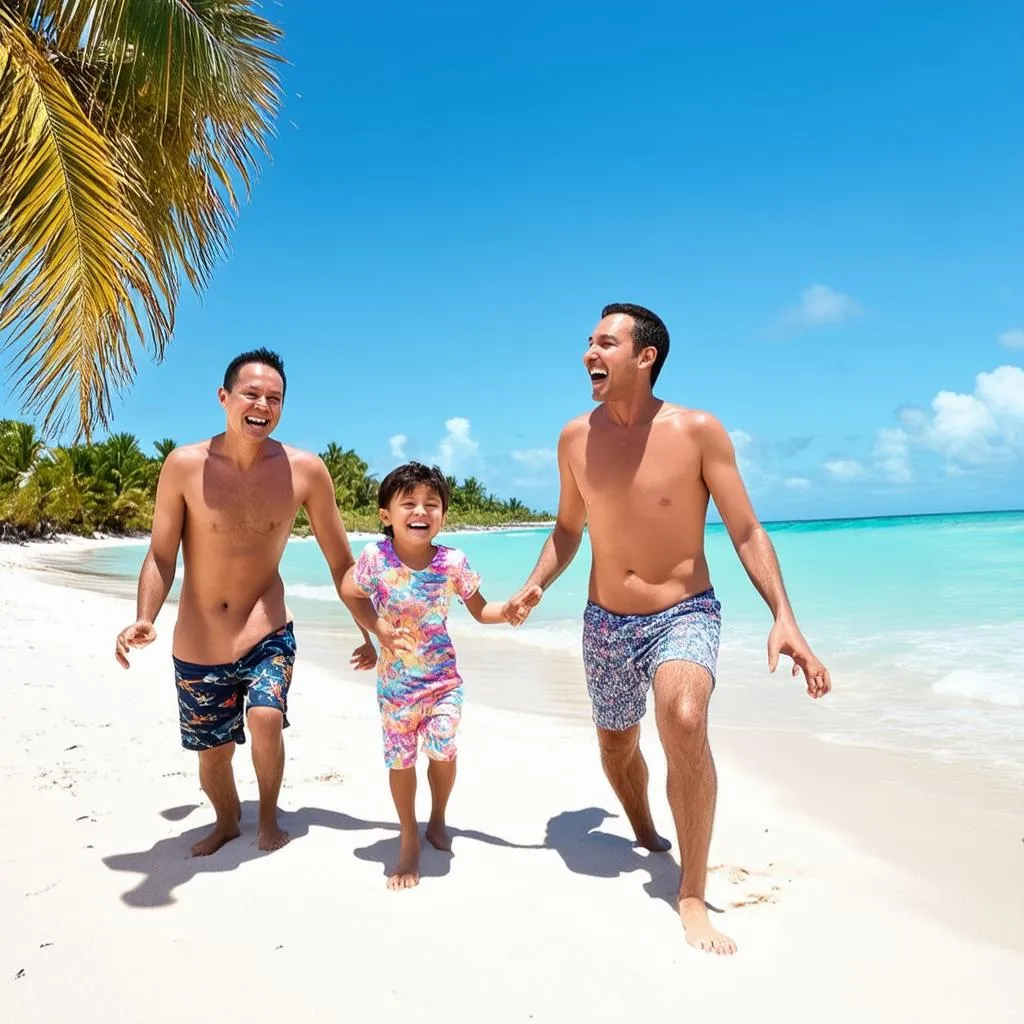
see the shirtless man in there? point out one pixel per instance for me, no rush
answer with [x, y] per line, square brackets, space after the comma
[230, 502]
[640, 472]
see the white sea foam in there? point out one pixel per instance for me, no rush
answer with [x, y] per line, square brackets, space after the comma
[986, 687]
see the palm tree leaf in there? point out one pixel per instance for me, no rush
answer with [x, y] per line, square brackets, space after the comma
[76, 263]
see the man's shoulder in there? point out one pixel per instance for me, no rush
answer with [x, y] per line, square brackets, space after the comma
[696, 422]
[187, 457]
[578, 426]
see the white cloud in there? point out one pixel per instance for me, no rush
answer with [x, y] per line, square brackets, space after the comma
[457, 448]
[397, 445]
[535, 459]
[844, 470]
[969, 431]
[740, 439]
[797, 483]
[1013, 338]
[892, 454]
[820, 306]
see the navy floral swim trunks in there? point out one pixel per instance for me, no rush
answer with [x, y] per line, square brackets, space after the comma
[213, 699]
[621, 653]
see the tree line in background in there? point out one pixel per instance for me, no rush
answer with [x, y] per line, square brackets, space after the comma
[109, 487]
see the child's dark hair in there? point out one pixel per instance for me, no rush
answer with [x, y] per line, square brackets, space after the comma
[264, 357]
[405, 478]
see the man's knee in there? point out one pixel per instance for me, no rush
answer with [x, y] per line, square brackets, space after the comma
[618, 745]
[265, 724]
[682, 692]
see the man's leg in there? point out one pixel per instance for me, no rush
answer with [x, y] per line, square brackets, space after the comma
[266, 731]
[682, 690]
[218, 782]
[626, 769]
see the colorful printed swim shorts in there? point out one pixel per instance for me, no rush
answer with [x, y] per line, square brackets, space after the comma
[213, 699]
[431, 717]
[621, 653]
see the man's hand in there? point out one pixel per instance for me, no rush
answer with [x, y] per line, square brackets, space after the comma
[396, 639]
[139, 634]
[517, 608]
[786, 638]
[364, 657]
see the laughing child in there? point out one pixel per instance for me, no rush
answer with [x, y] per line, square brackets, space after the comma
[410, 580]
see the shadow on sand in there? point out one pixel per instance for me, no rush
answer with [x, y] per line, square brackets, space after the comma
[169, 864]
[576, 836]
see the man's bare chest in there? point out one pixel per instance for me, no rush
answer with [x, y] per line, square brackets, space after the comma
[635, 471]
[240, 504]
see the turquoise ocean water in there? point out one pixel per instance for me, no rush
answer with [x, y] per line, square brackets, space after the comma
[920, 619]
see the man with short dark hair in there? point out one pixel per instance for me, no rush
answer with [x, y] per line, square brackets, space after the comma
[229, 502]
[639, 473]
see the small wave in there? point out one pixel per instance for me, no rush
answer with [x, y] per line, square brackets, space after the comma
[311, 591]
[988, 688]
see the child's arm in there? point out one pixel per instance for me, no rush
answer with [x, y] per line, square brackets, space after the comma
[362, 610]
[487, 612]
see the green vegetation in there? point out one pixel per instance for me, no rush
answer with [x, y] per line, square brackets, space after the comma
[109, 487]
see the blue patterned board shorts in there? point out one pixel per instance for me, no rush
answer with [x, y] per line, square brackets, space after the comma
[621, 653]
[213, 699]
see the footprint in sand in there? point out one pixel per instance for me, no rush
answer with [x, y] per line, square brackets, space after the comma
[752, 888]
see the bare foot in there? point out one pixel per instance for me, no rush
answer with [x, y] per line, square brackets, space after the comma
[699, 932]
[271, 837]
[220, 835]
[438, 837]
[407, 870]
[650, 840]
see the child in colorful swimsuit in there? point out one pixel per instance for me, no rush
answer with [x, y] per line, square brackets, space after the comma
[410, 582]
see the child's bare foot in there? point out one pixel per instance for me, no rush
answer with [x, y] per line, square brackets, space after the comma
[699, 932]
[407, 870]
[438, 837]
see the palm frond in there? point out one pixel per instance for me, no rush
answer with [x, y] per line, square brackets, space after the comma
[78, 272]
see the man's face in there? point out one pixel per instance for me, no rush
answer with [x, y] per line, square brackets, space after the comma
[253, 405]
[611, 360]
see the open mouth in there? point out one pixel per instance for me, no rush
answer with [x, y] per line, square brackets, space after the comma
[597, 375]
[421, 527]
[255, 421]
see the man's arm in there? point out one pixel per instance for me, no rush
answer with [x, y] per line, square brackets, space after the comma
[325, 522]
[750, 539]
[756, 552]
[157, 574]
[562, 543]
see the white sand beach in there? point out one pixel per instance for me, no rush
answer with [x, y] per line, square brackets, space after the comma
[859, 886]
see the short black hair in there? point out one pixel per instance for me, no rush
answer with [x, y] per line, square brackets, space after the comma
[407, 477]
[649, 331]
[258, 355]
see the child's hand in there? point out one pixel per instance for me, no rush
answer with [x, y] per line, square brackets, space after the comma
[396, 639]
[363, 657]
[518, 607]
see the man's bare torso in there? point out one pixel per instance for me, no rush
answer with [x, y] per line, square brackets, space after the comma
[236, 525]
[646, 506]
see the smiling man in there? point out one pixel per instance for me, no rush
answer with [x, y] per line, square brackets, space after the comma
[639, 472]
[229, 502]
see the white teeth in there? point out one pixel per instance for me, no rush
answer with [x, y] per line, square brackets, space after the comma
[252, 421]
[598, 374]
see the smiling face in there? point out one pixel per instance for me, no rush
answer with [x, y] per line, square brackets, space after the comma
[416, 516]
[611, 359]
[253, 405]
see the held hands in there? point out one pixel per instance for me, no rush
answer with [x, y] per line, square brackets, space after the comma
[786, 638]
[517, 608]
[139, 634]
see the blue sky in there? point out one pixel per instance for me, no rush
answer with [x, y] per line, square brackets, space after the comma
[824, 202]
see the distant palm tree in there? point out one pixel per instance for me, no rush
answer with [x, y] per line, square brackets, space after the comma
[164, 447]
[128, 128]
[20, 451]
